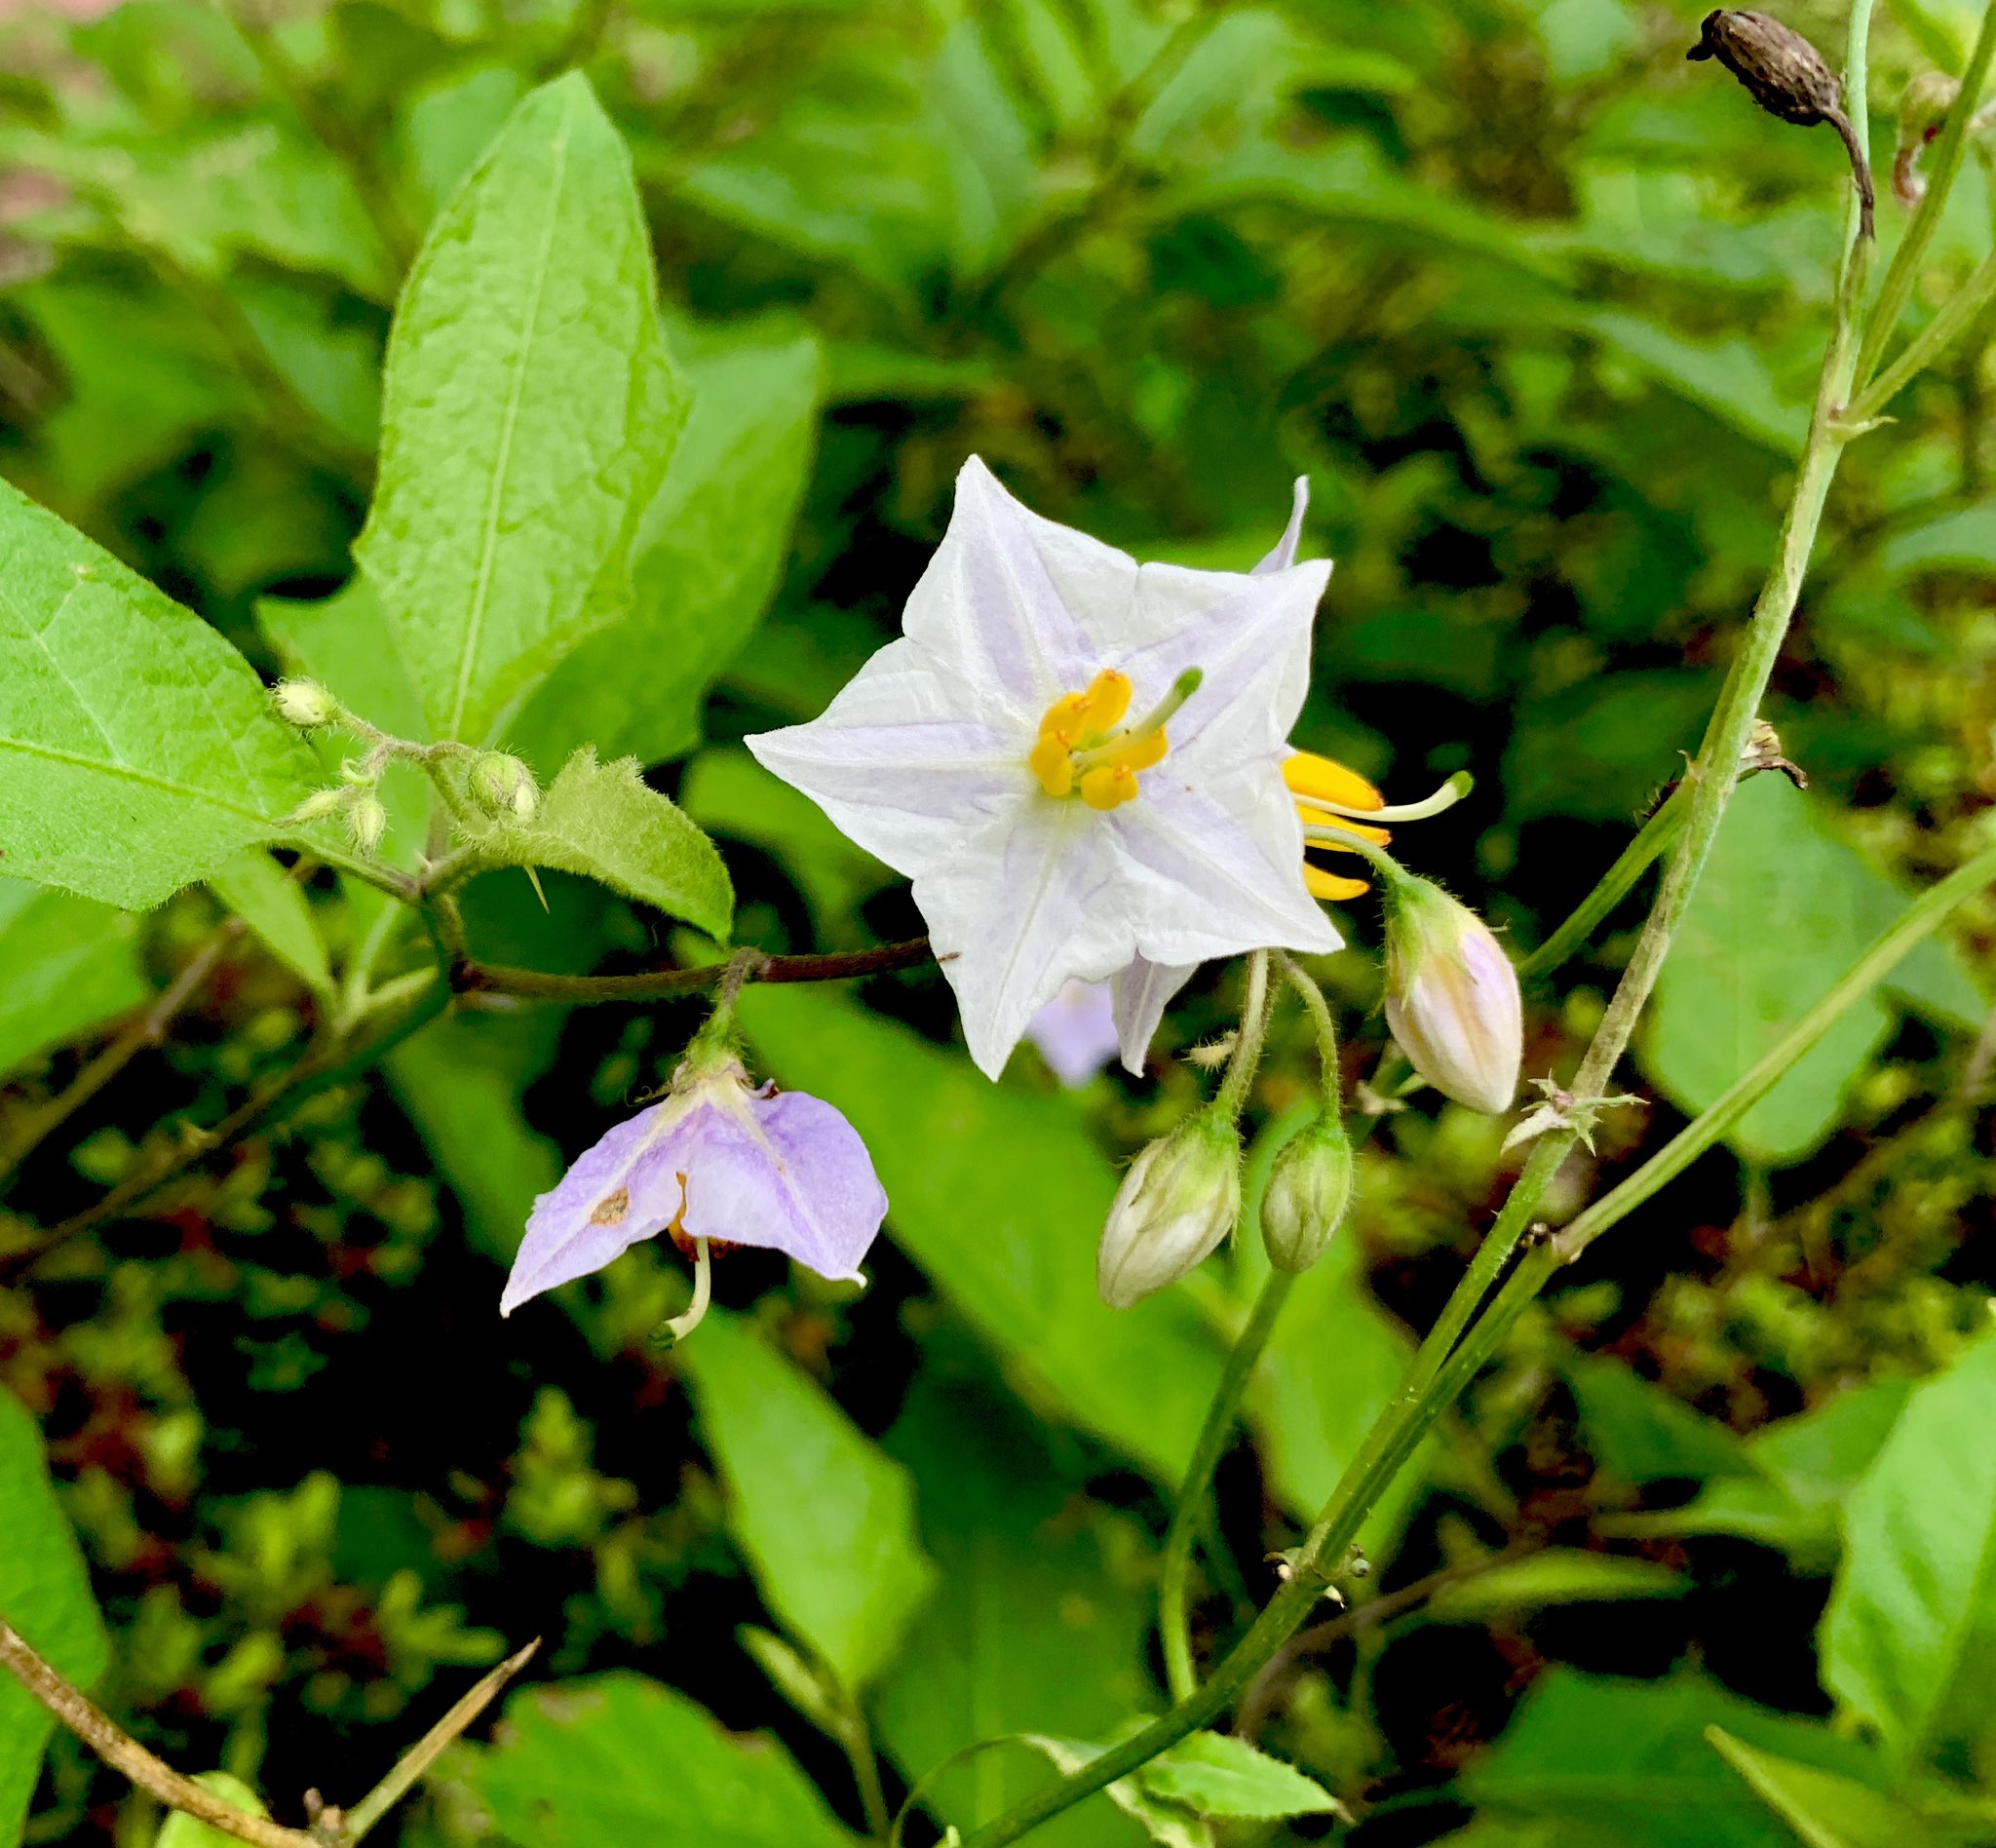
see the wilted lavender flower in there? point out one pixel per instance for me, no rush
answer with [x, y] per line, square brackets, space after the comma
[1076, 1031]
[716, 1160]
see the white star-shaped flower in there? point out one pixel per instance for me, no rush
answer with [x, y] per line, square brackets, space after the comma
[1078, 761]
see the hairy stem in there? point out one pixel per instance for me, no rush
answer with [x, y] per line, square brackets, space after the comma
[659, 985]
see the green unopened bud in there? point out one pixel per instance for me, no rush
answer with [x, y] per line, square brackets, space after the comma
[1451, 996]
[317, 806]
[366, 820]
[503, 785]
[303, 704]
[1309, 1193]
[1177, 1203]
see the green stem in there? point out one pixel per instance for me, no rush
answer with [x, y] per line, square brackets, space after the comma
[1658, 835]
[1180, 1677]
[1954, 140]
[1921, 919]
[1246, 1059]
[1953, 320]
[1437, 1376]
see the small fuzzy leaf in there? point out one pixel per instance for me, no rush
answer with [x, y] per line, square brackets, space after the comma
[530, 414]
[138, 748]
[600, 821]
[1221, 1776]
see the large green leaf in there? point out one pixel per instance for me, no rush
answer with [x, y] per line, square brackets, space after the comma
[45, 1594]
[1042, 1622]
[826, 1521]
[138, 751]
[601, 820]
[1909, 1643]
[65, 964]
[530, 414]
[618, 1760]
[1824, 1809]
[272, 904]
[1783, 908]
[706, 559]
[1627, 1763]
[1000, 1198]
[1641, 1433]
[1218, 1775]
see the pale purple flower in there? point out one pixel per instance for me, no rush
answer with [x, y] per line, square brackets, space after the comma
[1453, 1000]
[927, 759]
[716, 1160]
[1076, 1031]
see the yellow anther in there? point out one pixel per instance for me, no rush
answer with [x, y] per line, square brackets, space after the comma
[1108, 786]
[1134, 754]
[1050, 763]
[1106, 701]
[1066, 720]
[1327, 780]
[1331, 885]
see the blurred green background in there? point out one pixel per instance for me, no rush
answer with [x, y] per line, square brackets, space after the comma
[1537, 307]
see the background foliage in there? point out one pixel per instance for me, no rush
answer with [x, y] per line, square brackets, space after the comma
[1536, 307]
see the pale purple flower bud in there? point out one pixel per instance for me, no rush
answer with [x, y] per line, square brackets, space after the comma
[1178, 1201]
[1451, 996]
[1076, 1031]
[1309, 1193]
[303, 704]
[717, 1160]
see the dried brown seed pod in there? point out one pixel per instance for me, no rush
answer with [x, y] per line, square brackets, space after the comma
[1785, 75]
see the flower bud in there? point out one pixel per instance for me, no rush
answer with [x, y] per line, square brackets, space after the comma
[1922, 115]
[502, 785]
[317, 806]
[303, 703]
[1451, 996]
[1178, 1201]
[366, 820]
[1309, 1193]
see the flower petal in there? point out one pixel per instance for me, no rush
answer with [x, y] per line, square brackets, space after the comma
[1216, 871]
[787, 1172]
[902, 762]
[1284, 553]
[624, 1189]
[1076, 1031]
[1142, 991]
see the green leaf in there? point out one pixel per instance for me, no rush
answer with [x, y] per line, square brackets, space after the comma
[1000, 1198]
[1046, 1609]
[827, 1521]
[137, 750]
[707, 556]
[1218, 1775]
[1785, 908]
[1163, 1820]
[618, 1759]
[1824, 1809]
[186, 1831]
[1909, 1643]
[1558, 1575]
[1643, 1433]
[1627, 1762]
[600, 821]
[273, 904]
[66, 964]
[530, 414]
[45, 1594]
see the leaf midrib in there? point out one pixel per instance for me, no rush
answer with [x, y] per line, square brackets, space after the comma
[488, 537]
[151, 779]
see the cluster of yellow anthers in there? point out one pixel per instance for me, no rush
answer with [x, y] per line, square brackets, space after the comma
[1081, 753]
[1328, 794]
